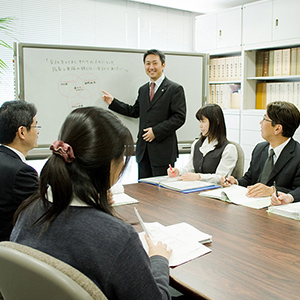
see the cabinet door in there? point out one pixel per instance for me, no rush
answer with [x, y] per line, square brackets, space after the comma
[257, 22]
[229, 24]
[286, 20]
[205, 32]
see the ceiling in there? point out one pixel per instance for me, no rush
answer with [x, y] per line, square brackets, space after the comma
[198, 6]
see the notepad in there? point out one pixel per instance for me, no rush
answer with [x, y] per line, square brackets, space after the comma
[184, 249]
[120, 197]
[237, 194]
[291, 210]
[179, 185]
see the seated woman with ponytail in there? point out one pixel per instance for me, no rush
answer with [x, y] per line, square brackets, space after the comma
[70, 217]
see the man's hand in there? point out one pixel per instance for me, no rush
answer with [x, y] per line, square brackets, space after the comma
[259, 190]
[108, 98]
[281, 199]
[148, 136]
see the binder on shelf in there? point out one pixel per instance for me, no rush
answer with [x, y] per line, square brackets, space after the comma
[278, 62]
[271, 63]
[294, 61]
[259, 63]
[286, 62]
[261, 97]
[297, 94]
[265, 63]
[298, 61]
[227, 68]
[213, 63]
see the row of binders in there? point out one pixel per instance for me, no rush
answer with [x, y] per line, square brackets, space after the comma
[277, 91]
[281, 62]
[225, 95]
[225, 68]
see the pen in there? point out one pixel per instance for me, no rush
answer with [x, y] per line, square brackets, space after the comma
[276, 192]
[226, 177]
[171, 169]
[141, 222]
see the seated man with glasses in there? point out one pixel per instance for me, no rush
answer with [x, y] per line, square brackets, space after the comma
[276, 161]
[18, 134]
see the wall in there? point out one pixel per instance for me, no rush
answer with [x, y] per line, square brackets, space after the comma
[103, 23]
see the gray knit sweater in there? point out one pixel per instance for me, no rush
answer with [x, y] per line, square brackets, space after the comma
[104, 248]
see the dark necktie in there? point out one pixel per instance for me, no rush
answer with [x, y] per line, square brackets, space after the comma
[268, 167]
[152, 90]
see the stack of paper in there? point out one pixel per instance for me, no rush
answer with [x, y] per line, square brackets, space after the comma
[291, 210]
[237, 194]
[184, 239]
[120, 197]
[179, 185]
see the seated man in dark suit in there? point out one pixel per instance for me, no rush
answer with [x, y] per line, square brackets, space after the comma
[276, 160]
[18, 135]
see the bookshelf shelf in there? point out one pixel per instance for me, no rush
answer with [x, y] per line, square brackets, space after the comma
[282, 78]
[226, 82]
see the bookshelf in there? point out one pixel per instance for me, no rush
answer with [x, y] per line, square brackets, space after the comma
[225, 77]
[267, 25]
[261, 86]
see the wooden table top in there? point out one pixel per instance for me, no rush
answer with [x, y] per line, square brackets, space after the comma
[255, 255]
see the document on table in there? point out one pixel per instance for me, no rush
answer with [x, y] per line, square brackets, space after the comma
[291, 210]
[184, 249]
[179, 185]
[237, 194]
[120, 197]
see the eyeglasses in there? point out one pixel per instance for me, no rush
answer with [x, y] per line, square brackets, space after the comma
[36, 126]
[265, 119]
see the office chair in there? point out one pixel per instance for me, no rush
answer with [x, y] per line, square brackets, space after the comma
[238, 170]
[26, 273]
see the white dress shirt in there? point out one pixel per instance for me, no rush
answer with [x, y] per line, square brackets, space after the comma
[226, 165]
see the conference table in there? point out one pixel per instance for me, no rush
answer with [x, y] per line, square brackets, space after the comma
[255, 255]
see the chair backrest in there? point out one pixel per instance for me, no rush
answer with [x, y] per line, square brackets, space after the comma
[238, 170]
[26, 273]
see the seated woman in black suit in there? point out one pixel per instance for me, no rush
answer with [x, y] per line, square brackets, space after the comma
[212, 155]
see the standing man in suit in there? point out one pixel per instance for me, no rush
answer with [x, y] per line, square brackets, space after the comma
[161, 107]
[18, 135]
[276, 160]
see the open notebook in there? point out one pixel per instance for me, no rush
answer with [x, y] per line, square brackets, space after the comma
[184, 239]
[291, 210]
[120, 197]
[237, 194]
[179, 185]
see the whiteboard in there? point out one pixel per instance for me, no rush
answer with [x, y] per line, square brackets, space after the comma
[58, 79]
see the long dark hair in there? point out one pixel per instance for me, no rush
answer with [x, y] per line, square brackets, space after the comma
[97, 137]
[217, 127]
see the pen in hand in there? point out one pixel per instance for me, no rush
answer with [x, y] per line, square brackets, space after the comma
[226, 178]
[171, 169]
[276, 192]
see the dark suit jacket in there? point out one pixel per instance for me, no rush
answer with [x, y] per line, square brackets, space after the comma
[17, 182]
[165, 114]
[286, 171]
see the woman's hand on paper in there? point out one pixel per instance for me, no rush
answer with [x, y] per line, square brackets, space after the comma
[281, 199]
[259, 190]
[190, 176]
[159, 249]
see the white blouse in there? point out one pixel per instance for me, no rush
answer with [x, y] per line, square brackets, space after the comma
[226, 165]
